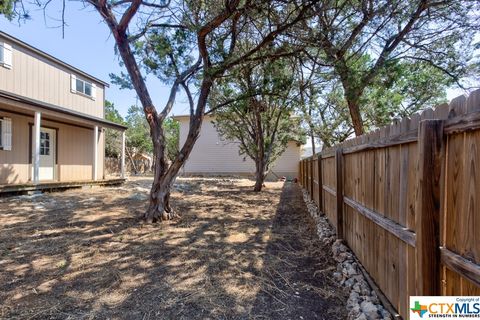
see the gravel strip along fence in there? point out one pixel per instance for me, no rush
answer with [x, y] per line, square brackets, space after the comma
[363, 302]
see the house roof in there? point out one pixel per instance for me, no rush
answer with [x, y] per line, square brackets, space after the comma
[62, 110]
[51, 58]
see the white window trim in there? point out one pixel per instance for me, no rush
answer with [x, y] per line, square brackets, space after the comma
[73, 87]
[7, 55]
[6, 133]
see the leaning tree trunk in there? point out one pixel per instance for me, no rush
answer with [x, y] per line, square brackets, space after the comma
[352, 94]
[357, 121]
[159, 207]
[165, 174]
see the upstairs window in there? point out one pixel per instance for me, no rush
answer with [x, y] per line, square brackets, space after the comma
[5, 133]
[83, 87]
[5, 55]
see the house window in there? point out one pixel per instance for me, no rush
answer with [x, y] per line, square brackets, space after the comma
[83, 87]
[5, 133]
[44, 143]
[5, 55]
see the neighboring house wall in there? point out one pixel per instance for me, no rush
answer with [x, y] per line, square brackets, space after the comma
[75, 151]
[213, 155]
[34, 76]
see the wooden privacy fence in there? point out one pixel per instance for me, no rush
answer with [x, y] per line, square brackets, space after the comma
[406, 200]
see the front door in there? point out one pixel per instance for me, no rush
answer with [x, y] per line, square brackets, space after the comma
[47, 154]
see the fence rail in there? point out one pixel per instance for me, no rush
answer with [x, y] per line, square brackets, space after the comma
[406, 199]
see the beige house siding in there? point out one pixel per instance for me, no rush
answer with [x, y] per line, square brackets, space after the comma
[213, 155]
[14, 164]
[74, 148]
[36, 77]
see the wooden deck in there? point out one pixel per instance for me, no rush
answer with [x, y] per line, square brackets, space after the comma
[12, 189]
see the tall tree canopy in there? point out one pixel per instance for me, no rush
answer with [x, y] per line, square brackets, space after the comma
[342, 34]
[401, 90]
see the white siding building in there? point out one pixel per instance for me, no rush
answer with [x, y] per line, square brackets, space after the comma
[212, 155]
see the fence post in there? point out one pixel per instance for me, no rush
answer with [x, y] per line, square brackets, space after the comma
[311, 178]
[427, 210]
[303, 174]
[307, 170]
[339, 191]
[320, 183]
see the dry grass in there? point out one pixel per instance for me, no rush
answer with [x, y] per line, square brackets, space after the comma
[234, 254]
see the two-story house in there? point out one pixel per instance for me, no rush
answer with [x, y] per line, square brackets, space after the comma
[51, 118]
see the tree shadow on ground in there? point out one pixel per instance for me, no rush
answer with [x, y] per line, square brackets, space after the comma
[234, 254]
[298, 267]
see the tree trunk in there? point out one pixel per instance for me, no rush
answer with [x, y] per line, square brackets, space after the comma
[159, 208]
[260, 159]
[357, 122]
[259, 175]
[352, 94]
[312, 137]
[165, 174]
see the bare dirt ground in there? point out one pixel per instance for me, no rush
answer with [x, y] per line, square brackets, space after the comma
[233, 254]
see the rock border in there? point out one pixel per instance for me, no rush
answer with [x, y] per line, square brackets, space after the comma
[363, 302]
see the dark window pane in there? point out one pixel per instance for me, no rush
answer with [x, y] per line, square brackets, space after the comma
[79, 85]
[88, 89]
[44, 151]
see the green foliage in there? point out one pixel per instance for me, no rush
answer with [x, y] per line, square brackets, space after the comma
[401, 90]
[113, 137]
[364, 42]
[112, 114]
[164, 51]
[138, 133]
[122, 80]
[332, 122]
[261, 109]
[172, 135]
[6, 8]
[17, 9]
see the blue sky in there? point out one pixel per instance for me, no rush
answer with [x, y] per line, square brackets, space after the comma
[87, 45]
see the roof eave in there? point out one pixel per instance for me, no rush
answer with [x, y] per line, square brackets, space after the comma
[51, 107]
